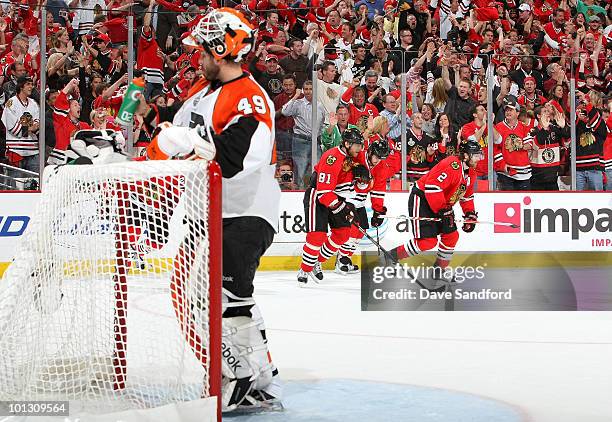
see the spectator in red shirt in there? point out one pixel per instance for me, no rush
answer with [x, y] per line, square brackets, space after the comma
[284, 124]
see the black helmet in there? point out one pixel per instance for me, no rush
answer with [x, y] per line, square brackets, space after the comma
[470, 147]
[352, 136]
[361, 174]
[380, 149]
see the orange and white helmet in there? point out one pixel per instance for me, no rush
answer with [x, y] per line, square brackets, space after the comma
[224, 33]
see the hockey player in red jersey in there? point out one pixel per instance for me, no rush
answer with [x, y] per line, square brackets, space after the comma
[325, 205]
[382, 160]
[433, 196]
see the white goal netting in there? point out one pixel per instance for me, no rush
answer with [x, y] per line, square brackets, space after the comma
[107, 301]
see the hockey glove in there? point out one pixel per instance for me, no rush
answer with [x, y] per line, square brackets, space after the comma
[203, 144]
[344, 210]
[469, 227]
[177, 141]
[376, 220]
[447, 217]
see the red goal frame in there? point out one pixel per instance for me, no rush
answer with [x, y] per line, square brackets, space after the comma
[215, 236]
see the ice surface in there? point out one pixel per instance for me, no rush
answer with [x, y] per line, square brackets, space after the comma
[551, 366]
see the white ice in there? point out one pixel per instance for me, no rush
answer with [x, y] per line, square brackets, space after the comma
[549, 366]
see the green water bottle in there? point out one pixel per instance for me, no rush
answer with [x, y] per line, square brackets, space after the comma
[130, 103]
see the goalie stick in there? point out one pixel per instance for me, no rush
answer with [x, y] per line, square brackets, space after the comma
[389, 257]
[494, 223]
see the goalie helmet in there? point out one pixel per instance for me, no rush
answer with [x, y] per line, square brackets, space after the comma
[224, 33]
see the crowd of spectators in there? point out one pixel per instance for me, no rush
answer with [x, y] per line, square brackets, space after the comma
[448, 50]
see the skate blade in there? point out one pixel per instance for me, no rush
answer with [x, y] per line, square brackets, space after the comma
[262, 407]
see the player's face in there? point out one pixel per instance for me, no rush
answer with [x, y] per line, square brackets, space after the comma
[473, 159]
[374, 159]
[211, 68]
[354, 150]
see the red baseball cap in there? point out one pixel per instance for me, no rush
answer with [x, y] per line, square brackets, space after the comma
[271, 57]
[529, 78]
[102, 37]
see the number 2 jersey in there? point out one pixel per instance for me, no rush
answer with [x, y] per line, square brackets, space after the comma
[447, 183]
[241, 117]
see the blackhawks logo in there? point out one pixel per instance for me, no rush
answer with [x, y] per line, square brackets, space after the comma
[513, 143]
[455, 165]
[587, 139]
[417, 154]
[548, 156]
[458, 194]
[330, 160]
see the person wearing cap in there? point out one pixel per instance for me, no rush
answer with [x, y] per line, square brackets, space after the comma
[518, 76]
[594, 28]
[21, 120]
[100, 51]
[271, 79]
[512, 141]
[531, 99]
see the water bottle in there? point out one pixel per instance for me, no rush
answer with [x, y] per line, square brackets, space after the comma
[130, 103]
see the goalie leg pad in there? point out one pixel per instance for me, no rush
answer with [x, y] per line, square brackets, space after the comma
[245, 363]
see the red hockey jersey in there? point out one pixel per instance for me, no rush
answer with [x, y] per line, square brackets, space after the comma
[447, 183]
[334, 177]
[508, 149]
[468, 131]
[380, 173]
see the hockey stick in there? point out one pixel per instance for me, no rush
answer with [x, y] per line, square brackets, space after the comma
[494, 223]
[389, 257]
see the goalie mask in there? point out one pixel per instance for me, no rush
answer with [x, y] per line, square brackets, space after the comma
[224, 33]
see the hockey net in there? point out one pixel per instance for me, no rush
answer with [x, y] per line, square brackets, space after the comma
[113, 301]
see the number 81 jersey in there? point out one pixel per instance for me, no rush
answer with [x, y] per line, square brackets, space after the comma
[241, 118]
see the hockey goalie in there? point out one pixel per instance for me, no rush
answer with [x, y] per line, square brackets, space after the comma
[228, 117]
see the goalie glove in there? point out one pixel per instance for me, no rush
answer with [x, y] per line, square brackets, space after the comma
[376, 220]
[469, 227]
[447, 220]
[179, 141]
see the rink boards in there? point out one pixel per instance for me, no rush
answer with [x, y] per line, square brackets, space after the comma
[547, 222]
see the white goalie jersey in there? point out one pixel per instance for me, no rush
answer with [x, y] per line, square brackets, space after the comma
[240, 116]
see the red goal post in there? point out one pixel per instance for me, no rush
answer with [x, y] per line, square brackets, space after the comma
[114, 301]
